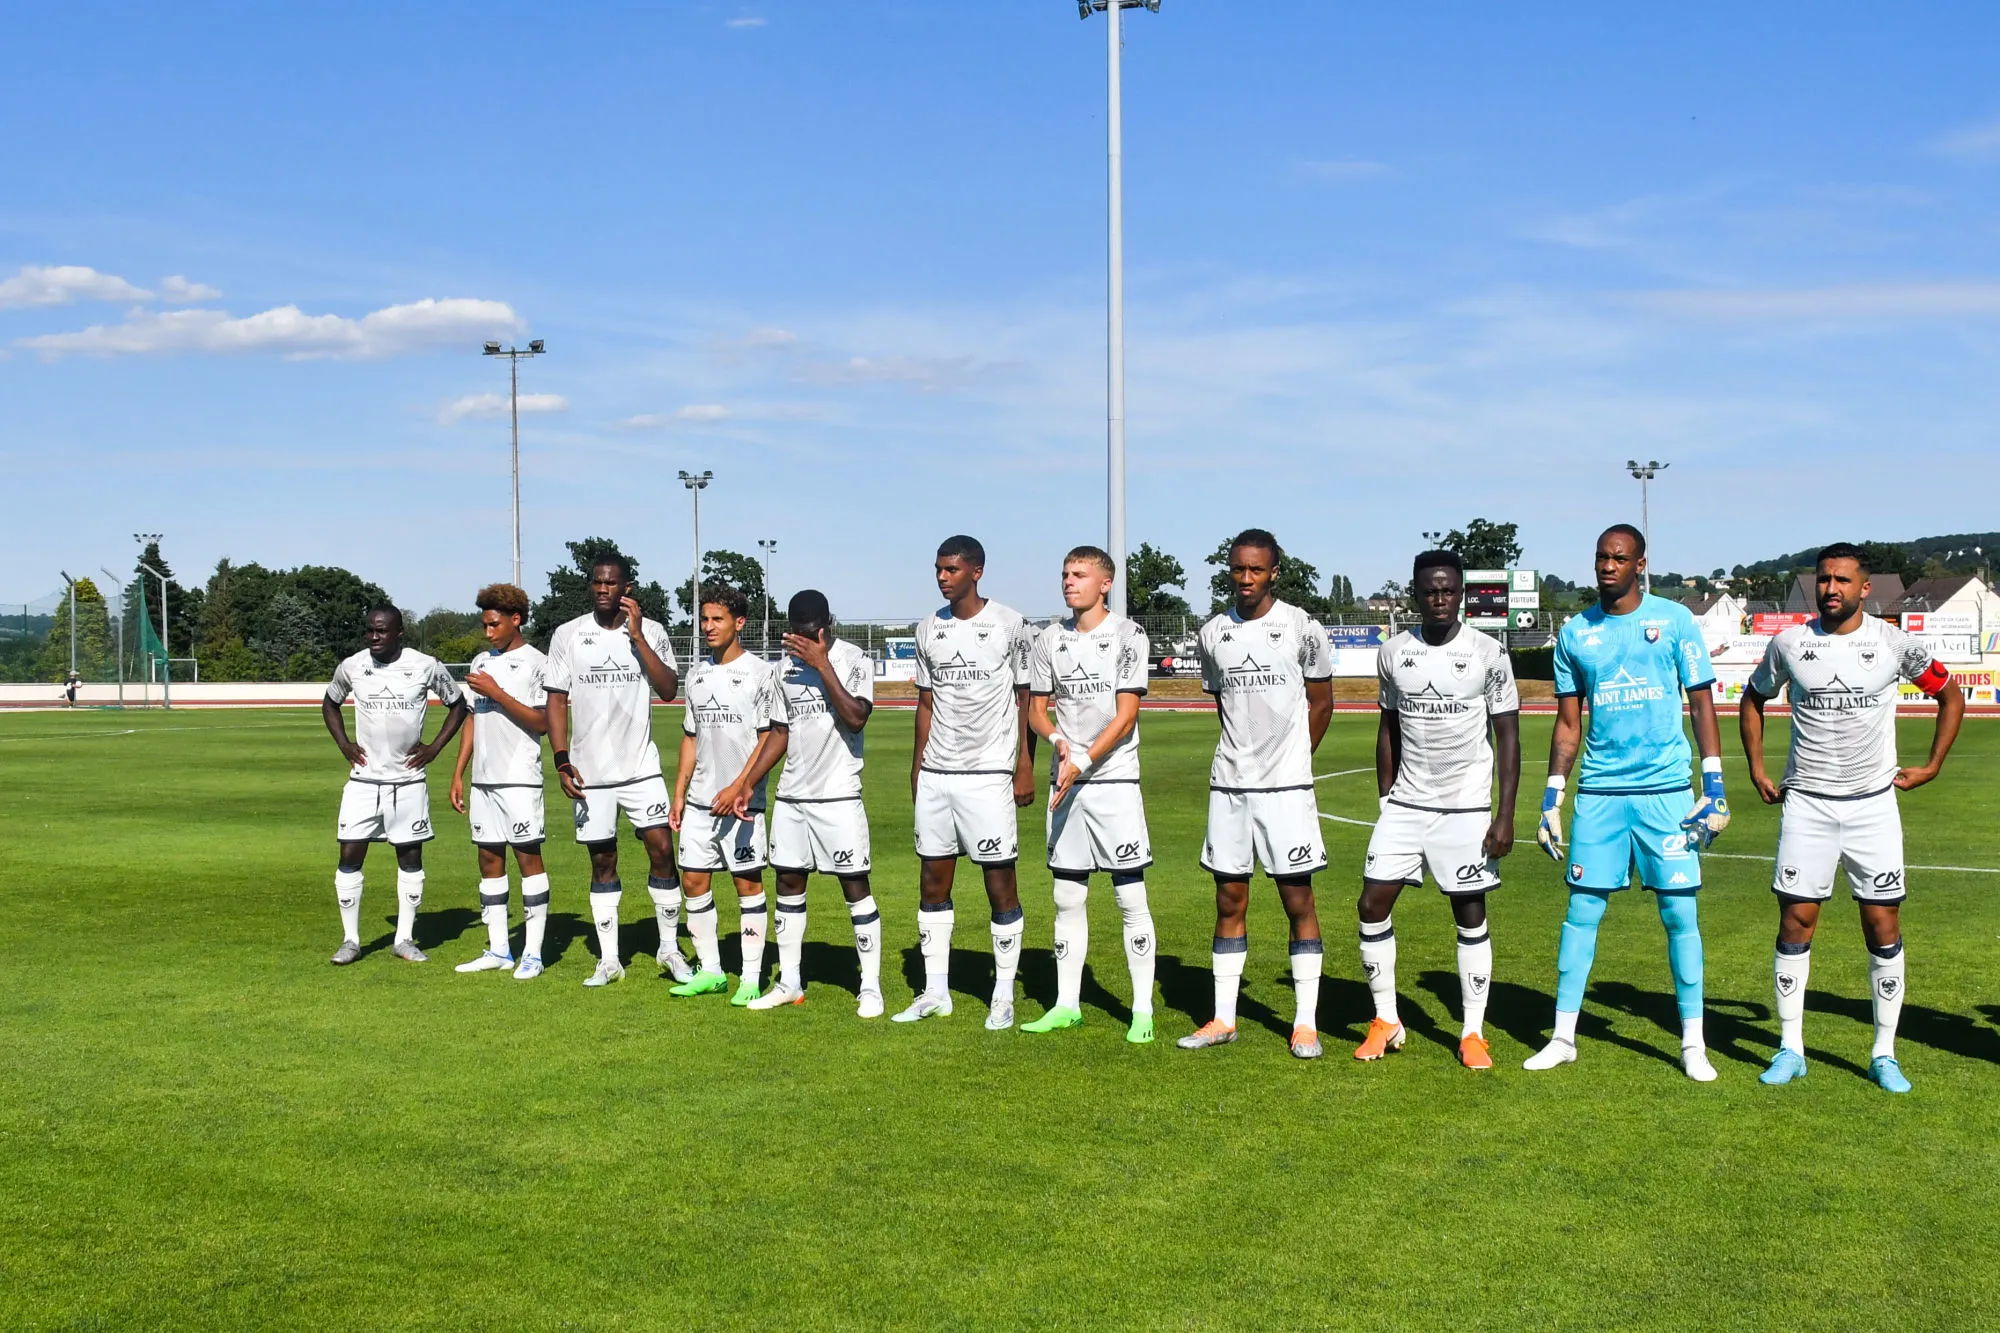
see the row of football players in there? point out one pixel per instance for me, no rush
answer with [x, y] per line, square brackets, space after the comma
[989, 688]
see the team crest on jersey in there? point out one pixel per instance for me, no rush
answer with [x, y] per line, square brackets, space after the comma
[1275, 635]
[1575, 874]
[1460, 667]
[1867, 656]
[1652, 634]
[1788, 876]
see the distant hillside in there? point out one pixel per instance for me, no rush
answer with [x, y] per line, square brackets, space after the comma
[1953, 551]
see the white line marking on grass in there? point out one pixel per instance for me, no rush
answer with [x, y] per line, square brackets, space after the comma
[72, 736]
[1342, 819]
[1956, 870]
[1343, 773]
[136, 731]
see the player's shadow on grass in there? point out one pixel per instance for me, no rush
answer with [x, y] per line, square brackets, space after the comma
[443, 926]
[1038, 983]
[563, 929]
[831, 965]
[1729, 1025]
[1190, 990]
[1955, 1034]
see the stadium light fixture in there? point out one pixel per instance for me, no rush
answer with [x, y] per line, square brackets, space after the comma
[696, 483]
[514, 355]
[1644, 473]
[166, 667]
[119, 584]
[770, 547]
[1114, 414]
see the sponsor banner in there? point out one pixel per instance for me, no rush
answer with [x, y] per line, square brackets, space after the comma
[1743, 649]
[1188, 667]
[1941, 624]
[896, 668]
[1352, 662]
[1768, 623]
[1357, 636]
[1981, 686]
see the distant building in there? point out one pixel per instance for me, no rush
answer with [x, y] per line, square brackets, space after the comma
[1962, 594]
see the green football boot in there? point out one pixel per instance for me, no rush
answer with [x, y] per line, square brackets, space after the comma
[746, 992]
[1062, 1016]
[1141, 1031]
[701, 983]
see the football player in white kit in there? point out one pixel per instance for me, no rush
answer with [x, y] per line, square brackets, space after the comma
[386, 799]
[1270, 668]
[1444, 688]
[502, 746]
[1093, 666]
[733, 701]
[604, 668]
[1840, 674]
[972, 767]
[818, 822]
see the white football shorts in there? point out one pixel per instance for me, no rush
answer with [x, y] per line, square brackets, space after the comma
[644, 801]
[829, 837]
[1818, 835]
[1280, 829]
[1100, 826]
[967, 814]
[718, 843]
[398, 814]
[505, 816]
[1407, 839]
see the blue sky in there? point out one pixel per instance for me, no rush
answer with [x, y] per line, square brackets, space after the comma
[1389, 268]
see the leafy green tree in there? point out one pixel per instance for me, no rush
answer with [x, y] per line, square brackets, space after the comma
[183, 611]
[1297, 583]
[93, 637]
[338, 600]
[569, 590]
[1484, 545]
[1149, 572]
[741, 572]
[1340, 593]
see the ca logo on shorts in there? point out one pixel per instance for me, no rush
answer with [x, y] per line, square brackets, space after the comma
[421, 826]
[989, 844]
[657, 808]
[520, 826]
[1889, 879]
[1299, 855]
[1674, 844]
[1127, 851]
[1471, 874]
[744, 853]
[582, 814]
[843, 858]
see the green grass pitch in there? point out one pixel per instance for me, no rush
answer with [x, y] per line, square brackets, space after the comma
[202, 1125]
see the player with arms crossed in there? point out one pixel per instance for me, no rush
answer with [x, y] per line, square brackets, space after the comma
[1444, 688]
[819, 823]
[502, 744]
[1093, 666]
[1270, 668]
[603, 669]
[1633, 654]
[972, 766]
[733, 702]
[1840, 675]
[386, 799]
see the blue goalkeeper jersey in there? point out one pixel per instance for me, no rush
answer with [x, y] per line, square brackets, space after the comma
[1631, 669]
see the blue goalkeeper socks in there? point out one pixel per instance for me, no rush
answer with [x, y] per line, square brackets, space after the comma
[1578, 949]
[1677, 914]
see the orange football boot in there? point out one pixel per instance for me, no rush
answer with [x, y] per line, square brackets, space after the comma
[1473, 1052]
[1383, 1037]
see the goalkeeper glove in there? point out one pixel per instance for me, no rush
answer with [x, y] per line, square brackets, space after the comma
[1549, 833]
[1711, 813]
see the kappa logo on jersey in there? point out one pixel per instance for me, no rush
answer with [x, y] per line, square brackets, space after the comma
[1808, 654]
[1593, 642]
[1787, 983]
[1409, 661]
[989, 845]
[1227, 637]
[1889, 879]
[1788, 876]
[1298, 855]
[1142, 945]
[1127, 851]
[1888, 988]
[844, 857]
[1680, 878]
[1471, 874]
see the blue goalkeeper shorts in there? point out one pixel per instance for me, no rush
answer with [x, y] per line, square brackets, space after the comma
[1611, 834]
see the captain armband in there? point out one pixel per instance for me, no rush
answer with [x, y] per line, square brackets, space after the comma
[1934, 678]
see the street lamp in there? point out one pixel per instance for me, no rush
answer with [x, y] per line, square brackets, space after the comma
[1114, 416]
[1644, 473]
[72, 619]
[119, 584]
[514, 355]
[770, 545]
[696, 482]
[166, 646]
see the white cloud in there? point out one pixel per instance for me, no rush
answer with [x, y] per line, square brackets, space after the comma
[643, 421]
[745, 23]
[288, 331]
[177, 290]
[1339, 171]
[1971, 143]
[1883, 301]
[60, 284]
[704, 412]
[478, 406]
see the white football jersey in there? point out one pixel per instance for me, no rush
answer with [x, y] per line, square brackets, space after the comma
[504, 754]
[822, 757]
[610, 699]
[1257, 670]
[389, 701]
[1444, 698]
[729, 705]
[1842, 689]
[972, 668]
[1085, 671]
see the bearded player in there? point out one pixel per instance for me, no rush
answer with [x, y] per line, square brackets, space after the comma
[502, 745]
[972, 767]
[1449, 706]
[604, 667]
[1634, 654]
[1092, 667]
[1840, 675]
[386, 798]
[1270, 668]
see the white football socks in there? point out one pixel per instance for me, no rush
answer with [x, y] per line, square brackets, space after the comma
[790, 929]
[934, 923]
[701, 925]
[1308, 963]
[1475, 976]
[493, 911]
[1008, 928]
[1789, 973]
[1227, 958]
[347, 894]
[1138, 927]
[666, 896]
[1378, 964]
[867, 918]
[535, 909]
[1565, 1027]
[1885, 979]
[1691, 1034]
[753, 926]
[409, 897]
[1072, 936]
[604, 901]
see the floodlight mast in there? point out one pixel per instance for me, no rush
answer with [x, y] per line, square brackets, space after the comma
[770, 545]
[1114, 414]
[696, 482]
[1644, 473]
[514, 354]
[166, 644]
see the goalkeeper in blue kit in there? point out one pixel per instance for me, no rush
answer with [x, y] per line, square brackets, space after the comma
[1632, 654]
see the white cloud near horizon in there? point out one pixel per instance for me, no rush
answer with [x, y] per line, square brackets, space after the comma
[483, 406]
[60, 284]
[1885, 301]
[287, 331]
[745, 23]
[177, 290]
[1978, 142]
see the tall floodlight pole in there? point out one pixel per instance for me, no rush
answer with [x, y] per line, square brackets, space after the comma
[72, 620]
[514, 355]
[166, 645]
[696, 482]
[1114, 415]
[770, 545]
[1644, 473]
[114, 581]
